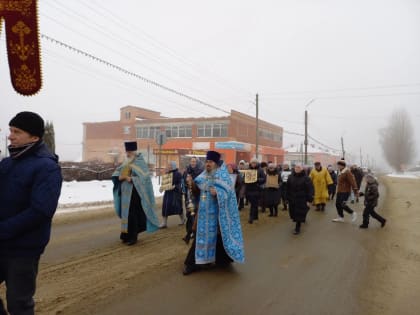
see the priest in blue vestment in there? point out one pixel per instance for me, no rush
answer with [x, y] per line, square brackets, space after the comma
[218, 232]
[134, 200]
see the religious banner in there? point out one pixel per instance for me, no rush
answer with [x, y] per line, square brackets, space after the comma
[22, 40]
[166, 182]
[250, 176]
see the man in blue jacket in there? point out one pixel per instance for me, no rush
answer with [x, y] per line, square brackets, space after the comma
[30, 185]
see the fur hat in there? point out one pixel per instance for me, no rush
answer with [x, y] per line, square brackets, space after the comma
[130, 146]
[30, 122]
[254, 160]
[213, 156]
[341, 162]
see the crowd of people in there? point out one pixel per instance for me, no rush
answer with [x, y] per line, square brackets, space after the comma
[213, 194]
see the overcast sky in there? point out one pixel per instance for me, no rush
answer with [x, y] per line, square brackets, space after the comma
[358, 60]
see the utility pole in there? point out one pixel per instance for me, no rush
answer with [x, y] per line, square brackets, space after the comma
[342, 148]
[306, 130]
[306, 137]
[257, 128]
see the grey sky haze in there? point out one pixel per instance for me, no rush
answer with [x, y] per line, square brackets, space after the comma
[358, 59]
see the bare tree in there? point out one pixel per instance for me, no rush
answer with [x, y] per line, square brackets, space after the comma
[49, 136]
[397, 140]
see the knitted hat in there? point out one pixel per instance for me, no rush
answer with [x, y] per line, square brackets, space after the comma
[30, 122]
[130, 146]
[213, 156]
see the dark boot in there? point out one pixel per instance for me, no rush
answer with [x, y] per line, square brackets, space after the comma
[318, 207]
[297, 228]
[322, 206]
[276, 211]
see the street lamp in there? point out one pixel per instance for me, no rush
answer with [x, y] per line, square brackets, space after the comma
[306, 130]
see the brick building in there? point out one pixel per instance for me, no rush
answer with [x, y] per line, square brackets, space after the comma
[234, 136]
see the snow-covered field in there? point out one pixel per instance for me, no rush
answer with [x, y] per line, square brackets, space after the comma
[74, 194]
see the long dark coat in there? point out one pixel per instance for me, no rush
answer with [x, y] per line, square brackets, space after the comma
[172, 199]
[299, 191]
[272, 195]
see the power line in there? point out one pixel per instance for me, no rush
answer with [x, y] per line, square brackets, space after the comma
[138, 76]
[326, 146]
[223, 82]
[125, 85]
[129, 28]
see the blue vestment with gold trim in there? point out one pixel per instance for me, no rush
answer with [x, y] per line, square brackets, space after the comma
[218, 214]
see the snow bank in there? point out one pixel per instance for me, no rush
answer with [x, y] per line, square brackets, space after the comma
[93, 193]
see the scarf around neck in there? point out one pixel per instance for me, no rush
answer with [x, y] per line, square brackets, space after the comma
[19, 151]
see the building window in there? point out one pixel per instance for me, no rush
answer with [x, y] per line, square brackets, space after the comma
[126, 130]
[212, 130]
[127, 115]
[182, 131]
[147, 132]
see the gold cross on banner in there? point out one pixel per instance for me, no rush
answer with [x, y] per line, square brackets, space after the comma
[23, 50]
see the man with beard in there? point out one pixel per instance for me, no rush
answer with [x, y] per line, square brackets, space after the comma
[134, 199]
[218, 237]
[253, 189]
[30, 185]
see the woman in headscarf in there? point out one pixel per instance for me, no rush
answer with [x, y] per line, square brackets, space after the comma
[300, 193]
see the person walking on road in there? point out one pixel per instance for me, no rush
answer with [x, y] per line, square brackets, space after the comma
[345, 184]
[300, 193]
[320, 179]
[332, 187]
[253, 189]
[194, 169]
[30, 186]
[218, 237]
[172, 198]
[134, 200]
[285, 173]
[371, 195]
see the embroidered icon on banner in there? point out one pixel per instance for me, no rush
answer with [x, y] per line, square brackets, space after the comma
[22, 40]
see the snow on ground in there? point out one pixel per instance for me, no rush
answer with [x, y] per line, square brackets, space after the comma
[405, 175]
[76, 193]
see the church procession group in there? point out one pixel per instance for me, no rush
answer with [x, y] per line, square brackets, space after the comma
[213, 194]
